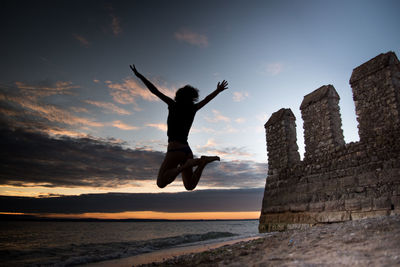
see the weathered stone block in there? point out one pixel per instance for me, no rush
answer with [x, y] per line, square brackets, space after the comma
[359, 189]
[352, 204]
[348, 181]
[334, 205]
[367, 178]
[333, 216]
[288, 217]
[366, 204]
[276, 227]
[315, 187]
[302, 188]
[387, 175]
[276, 209]
[331, 185]
[296, 207]
[382, 203]
[316, 206]
[358, 215]
[395, 202]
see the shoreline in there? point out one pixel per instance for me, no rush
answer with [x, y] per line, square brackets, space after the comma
[166, 254]
[366, 242]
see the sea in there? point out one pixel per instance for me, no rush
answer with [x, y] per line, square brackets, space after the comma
[59, 243]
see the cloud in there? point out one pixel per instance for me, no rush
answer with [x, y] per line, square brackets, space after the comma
[151, 145]
[212, 148]
[115, 25]
[115, 21]
[46, 88]
[240, 120]
[64, 132]
[262, 117]
[233, 200]
[123, 126]
[31, 158]
[235, 174]
[274, 69]
[129, 90]
[217, 117]
[50, 113]
[225, 153]
[240, 96]
[25, 106]
[82, 40]
[210, 143]
[202, 130]
[79, 109]
[110, 107]
[229, 129]
[190, 37]
[159, 126]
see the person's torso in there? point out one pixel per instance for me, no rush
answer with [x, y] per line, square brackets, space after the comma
[180, 120]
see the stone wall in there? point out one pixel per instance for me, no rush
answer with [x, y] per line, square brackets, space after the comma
[322, 122]
[336, 181]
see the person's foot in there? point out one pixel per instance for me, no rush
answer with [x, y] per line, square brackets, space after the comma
[203, 161]
[207, 159]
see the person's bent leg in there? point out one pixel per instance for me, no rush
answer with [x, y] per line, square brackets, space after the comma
[169, 169]
[190, 178]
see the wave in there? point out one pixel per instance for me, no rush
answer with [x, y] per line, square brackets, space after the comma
[73, 254]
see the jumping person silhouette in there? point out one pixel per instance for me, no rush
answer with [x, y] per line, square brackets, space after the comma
[179, 157]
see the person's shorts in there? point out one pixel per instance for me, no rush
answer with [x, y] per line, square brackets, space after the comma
[185, 149]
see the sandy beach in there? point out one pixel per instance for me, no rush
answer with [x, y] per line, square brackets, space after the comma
[368, 242]
[165, 254]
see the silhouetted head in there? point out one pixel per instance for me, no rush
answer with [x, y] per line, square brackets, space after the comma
[187, 94]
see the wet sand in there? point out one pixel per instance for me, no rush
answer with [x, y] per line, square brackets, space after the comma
[368, 242]
[163, 255]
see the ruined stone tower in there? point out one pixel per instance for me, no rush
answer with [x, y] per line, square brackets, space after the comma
[337, 181]
[322, 122]
[376, 95]
[281, 137]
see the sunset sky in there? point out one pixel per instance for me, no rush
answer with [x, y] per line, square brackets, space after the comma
[78, 129]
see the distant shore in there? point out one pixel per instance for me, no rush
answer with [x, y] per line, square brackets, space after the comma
[368, 242]
[34, 218]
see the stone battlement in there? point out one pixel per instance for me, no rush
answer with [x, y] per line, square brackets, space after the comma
[336, 181]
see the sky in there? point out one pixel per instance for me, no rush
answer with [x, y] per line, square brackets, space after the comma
[76, 124]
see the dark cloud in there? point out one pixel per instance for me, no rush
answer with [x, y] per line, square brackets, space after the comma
[196, 201]
[236, 174]
[31, 157]
[28, 106]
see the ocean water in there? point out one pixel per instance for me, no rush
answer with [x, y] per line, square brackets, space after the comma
[24, 243]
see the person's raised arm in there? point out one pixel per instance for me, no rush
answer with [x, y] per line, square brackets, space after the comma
[220, 87]
[151, 87]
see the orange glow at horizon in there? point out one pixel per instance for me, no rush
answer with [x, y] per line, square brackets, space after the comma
[162, 215]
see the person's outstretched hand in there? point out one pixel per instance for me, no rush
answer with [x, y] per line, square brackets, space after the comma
[222, 86]
[133, 68]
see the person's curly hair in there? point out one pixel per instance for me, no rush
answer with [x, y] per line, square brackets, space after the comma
[187, 94]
